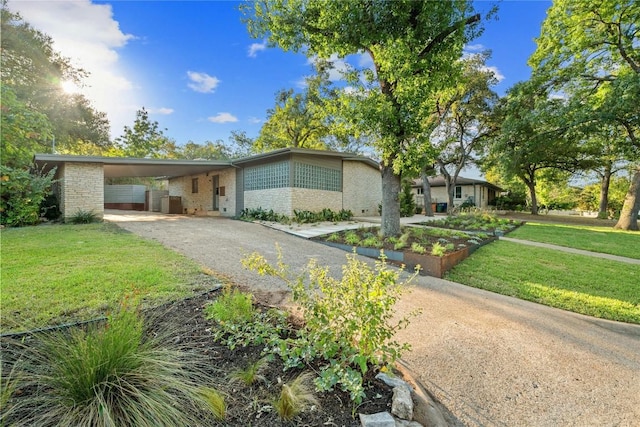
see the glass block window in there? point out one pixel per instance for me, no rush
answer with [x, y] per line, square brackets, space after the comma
[316, 177]
[273, 175]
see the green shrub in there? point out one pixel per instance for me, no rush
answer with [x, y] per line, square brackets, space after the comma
[21, 194]
[232, 306]
[418, 248]
[352, 238]
[407, 201]
[50, 208]
[348, 323]
[83, 217]
[109, 375]
[438, 250]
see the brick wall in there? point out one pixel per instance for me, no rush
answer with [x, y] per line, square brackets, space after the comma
[315, 200]
[278, 199]
[362, 188]
[202, 201]
[81, 188]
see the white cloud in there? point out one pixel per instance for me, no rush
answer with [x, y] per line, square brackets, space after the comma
[223, 118]
[202, 82]
[162, 110]
[474, 47]
[88, 35]
[255, 48]
[496, 72]
[254, 120]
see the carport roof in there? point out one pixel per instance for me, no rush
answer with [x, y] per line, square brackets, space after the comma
[116, 167]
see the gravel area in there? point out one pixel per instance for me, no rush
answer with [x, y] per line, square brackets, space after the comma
[491, 360]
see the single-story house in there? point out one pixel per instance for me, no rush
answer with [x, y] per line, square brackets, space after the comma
[284, 180]
[481, 193]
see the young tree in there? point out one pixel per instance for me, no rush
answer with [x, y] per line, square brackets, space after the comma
[467, 121]
[414, 46]
[144, 139]
[591, 49]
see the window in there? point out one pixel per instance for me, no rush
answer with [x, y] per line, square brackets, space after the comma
[420, 192]
[194, 185]
[316, 177]
[273, 175]
[458, 192]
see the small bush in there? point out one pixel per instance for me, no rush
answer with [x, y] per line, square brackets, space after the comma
[348, 323]
[252, 373]
[438, 250]
[21, 194]
[352, 238]
[418, 248]
[109, 375]
[407, 201]
[232, 306]
[83, 217]
[295, 397]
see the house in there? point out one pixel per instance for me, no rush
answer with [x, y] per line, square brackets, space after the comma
[479, 192]
[283, 180]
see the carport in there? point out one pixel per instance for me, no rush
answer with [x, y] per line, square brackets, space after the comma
[80, 179]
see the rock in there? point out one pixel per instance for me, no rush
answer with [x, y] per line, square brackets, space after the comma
[402, 404]
[381, 419]
[405, 423]
[392, 382]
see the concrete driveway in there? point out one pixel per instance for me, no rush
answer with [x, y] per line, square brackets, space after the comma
[491, 360]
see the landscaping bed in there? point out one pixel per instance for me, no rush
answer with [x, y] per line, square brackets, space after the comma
[477, 222]
[185, 327]
[435, 250]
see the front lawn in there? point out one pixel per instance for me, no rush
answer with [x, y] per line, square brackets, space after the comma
[589, 238]
[60, 273]
[583, 284]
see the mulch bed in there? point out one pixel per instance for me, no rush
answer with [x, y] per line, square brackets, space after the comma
[246, 405]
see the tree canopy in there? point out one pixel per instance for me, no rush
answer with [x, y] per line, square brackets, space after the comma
[414, 47]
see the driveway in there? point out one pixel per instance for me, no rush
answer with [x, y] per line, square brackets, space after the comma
[491, 360]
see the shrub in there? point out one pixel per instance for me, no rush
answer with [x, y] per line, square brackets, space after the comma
[438, 250]
[49, 208]
[407, 201]
[348, 323]
[352, 238]
[418, 248]
[21, 194]
[232, 306]
[110, 374]
[83, 217]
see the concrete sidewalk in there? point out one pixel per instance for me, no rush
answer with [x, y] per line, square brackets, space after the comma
[490, 359]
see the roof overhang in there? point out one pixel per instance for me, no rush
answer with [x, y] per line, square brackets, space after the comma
[117, 167]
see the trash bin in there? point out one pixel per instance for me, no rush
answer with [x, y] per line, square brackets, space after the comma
[171, 205]
[441, 207]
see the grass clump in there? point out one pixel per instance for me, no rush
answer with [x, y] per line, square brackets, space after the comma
[108, 375]
[216, 402]
[295, 397]
[232, 306]
[252, 373]
[84, 217]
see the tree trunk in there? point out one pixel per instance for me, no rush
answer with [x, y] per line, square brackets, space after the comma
[390, 202]
[426, 191]
[604, 193]
[534, 198]
[629, 214]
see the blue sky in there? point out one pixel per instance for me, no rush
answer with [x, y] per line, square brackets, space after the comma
[194, 67]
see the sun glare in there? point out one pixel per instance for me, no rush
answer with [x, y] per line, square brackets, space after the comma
[69, 87]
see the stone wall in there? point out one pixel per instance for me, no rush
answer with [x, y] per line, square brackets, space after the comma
[201, 203]
[315, 200]
[361, 188]
[81, 189]
[278, 199]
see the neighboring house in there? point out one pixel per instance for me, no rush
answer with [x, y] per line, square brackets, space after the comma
[481, 193]
[283, 180]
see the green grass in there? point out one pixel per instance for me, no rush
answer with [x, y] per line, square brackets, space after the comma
[589, 238]
[60, 273]
[583, 284]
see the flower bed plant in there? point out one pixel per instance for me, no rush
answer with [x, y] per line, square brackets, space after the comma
[435, 250]
[476, 221]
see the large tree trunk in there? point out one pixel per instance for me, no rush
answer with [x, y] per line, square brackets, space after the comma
[390, 202]
[629, 214]
[426, 191]
[604, 193]
[531, 185]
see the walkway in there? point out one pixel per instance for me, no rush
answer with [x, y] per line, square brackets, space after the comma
[492, 360]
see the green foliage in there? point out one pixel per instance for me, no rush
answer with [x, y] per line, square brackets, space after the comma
[241, 324]
[438, 250]
[107, 375]
[407, 201]
[259, 214]
[295, 397]
[35, 108]
[306, 217]
[351, 238]
[144, 139]
[252, 373]
[82, 216]
[49, 207]
[476, 221]
[348, 323]
[21, 195]
[419, 249]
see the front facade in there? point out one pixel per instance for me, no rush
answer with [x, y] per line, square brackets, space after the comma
[481, 193]
[283, 180]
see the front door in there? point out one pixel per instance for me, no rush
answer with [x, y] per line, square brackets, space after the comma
[216, 192]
